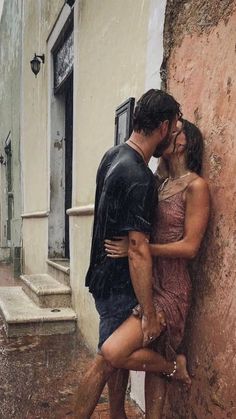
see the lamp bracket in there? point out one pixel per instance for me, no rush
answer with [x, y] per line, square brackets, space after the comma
[42, 57]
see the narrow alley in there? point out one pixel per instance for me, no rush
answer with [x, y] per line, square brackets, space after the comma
[40, 374]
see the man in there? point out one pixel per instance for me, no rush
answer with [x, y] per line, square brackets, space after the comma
[124, 205]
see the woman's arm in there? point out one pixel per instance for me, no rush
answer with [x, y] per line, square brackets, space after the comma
[196, 218]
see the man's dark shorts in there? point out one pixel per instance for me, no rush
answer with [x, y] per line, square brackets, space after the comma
[113, 311]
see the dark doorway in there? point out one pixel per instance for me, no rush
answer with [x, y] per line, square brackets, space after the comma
[68, 157]
[61, 144]
[9, 189]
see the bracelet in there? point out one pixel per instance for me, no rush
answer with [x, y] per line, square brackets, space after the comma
[173, 372]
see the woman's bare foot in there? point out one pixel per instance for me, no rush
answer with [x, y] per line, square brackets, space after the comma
[182, 372]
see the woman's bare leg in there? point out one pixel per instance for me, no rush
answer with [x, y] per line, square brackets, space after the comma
[122, 350]
[155, 394]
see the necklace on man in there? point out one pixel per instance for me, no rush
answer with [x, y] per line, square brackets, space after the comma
[139, 149]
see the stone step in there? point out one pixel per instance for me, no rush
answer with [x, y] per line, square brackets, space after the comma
[59, 269]
[22, 316]
[46, 291]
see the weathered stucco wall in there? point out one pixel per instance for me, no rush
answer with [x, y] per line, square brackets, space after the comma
[200, 51]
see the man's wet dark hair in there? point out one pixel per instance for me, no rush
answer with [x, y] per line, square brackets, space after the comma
[154, 107]
[194, 147]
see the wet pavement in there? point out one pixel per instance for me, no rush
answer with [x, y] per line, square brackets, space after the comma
[40, 374]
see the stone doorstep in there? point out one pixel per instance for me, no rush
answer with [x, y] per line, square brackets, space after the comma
[14, 330]
[44, 284]
[60, 264]
[46, 291]
[59, 269]
[48, 300]
[23, 317]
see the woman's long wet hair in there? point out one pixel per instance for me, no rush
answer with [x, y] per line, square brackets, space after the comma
[194, 146]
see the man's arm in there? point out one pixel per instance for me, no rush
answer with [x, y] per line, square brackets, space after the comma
[140, 265]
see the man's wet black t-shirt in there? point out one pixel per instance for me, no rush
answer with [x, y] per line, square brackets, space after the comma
[125, 198]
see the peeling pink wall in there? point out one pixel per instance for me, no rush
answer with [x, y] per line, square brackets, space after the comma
[201, 72]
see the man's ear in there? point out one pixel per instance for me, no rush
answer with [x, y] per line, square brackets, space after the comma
[164, 128]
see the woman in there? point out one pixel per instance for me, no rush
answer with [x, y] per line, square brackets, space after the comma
[180, 223]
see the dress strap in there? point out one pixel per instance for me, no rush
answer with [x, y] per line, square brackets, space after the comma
[172, 187]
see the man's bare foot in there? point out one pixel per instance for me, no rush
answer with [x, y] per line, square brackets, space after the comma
[182, 372]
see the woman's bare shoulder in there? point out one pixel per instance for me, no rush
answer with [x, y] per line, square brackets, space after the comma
[198, 184]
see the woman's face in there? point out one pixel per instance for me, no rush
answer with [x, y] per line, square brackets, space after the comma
[178, 142]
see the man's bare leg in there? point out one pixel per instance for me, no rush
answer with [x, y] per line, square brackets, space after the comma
[91, 387]
[117, 386]
[155, 394]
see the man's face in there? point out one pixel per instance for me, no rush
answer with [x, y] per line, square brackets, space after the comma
[166, 140]
[178, 142]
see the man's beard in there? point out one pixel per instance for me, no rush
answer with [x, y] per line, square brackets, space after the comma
[163, 145]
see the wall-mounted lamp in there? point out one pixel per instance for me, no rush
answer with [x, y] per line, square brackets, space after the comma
[35, 63]
[7, 150]
[2, 161]
[70, 2]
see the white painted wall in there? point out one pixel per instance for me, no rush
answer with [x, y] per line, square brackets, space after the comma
[1, 7]
[155, 50]
[153, 80]
[110, 45]
[38, 20]
[10, 70]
